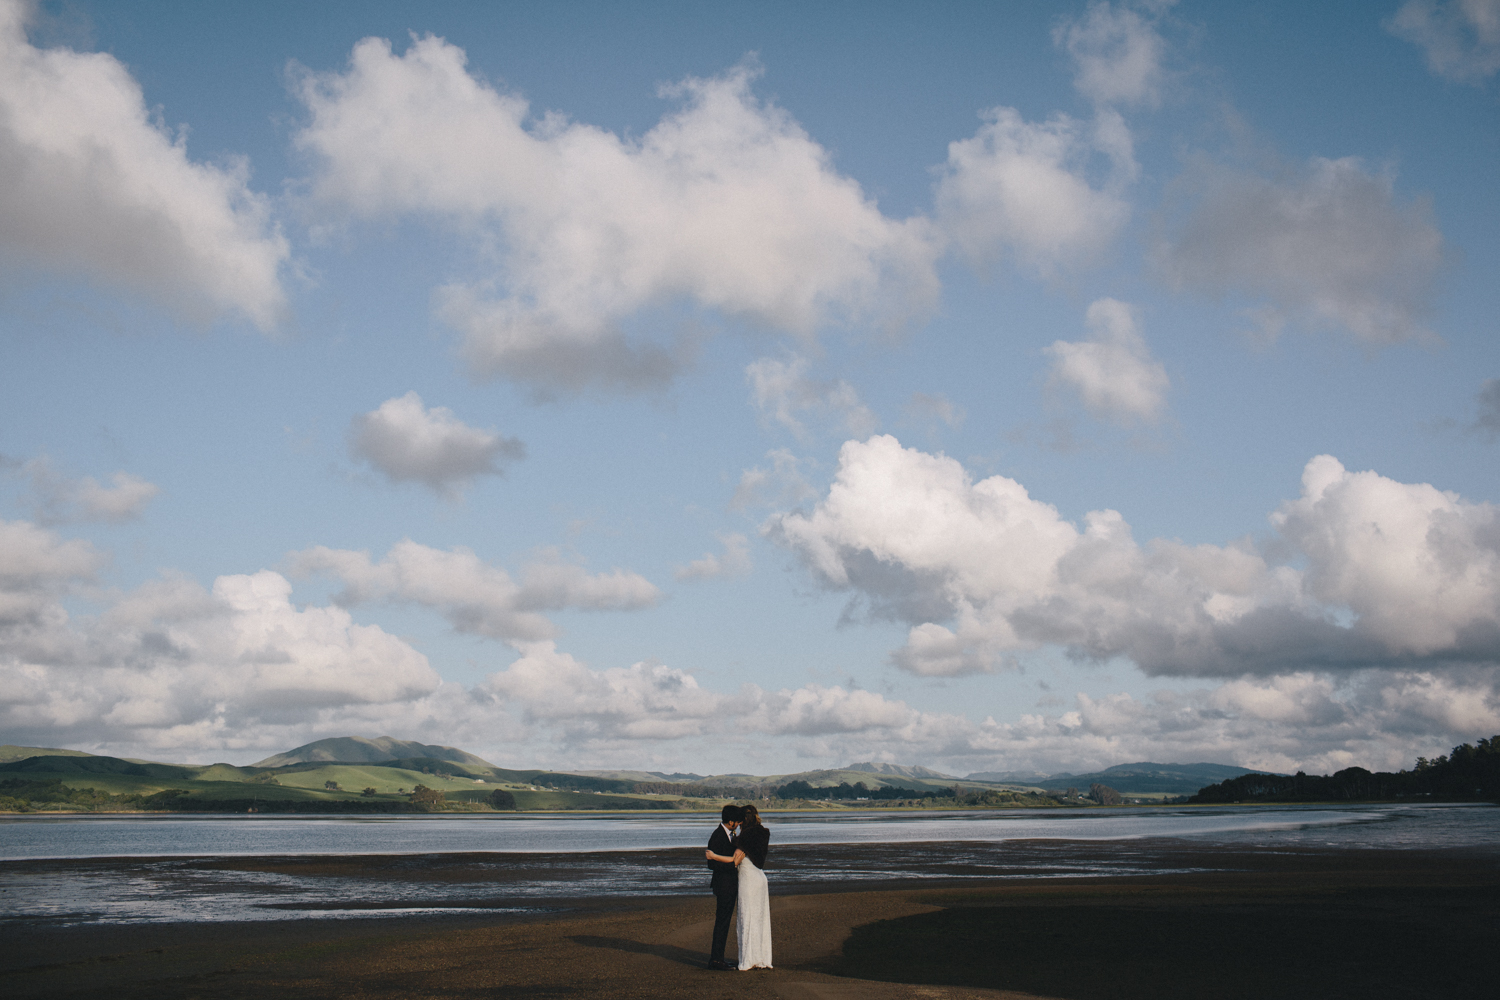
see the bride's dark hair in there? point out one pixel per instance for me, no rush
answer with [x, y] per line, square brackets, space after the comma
[752, 817]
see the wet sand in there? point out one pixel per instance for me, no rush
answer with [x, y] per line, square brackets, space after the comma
[1256, 923]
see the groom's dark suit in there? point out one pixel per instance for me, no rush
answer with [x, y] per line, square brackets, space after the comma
[726, 885]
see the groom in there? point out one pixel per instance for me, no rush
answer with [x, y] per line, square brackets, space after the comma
[725, 881]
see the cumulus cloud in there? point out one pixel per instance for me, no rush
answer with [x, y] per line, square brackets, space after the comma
[171, 664]
[734, 562]
[1113, 371]
[1118, 55]
[1021, 191]
[474, 596]
[1328, 244]
[1298, 721]
[61, 499]
[95, 186]
[583, 706]
[1395, 575]
[181, 669]
[1318, 722]
[726, 204]
[1461, 38]
[408, 442]
[36, 566]
[782, 389]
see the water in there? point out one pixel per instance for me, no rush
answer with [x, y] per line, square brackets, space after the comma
[26, 837]
[134, 869]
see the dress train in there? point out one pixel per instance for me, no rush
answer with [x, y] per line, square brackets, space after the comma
[753, 918]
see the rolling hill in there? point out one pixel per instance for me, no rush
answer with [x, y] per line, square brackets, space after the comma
[359, 750]
[353, 772]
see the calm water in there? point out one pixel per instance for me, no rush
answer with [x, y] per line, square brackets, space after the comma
[56, 870]
[32, 837]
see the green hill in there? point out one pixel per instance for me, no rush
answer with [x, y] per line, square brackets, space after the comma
[353, 773]
[358, 749]
[9, 753]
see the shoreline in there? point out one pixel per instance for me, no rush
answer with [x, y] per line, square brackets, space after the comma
[708, 810]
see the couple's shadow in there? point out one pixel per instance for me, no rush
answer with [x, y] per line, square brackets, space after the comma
[671, 952]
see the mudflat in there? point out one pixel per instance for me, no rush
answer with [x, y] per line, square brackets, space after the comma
[1263, 924]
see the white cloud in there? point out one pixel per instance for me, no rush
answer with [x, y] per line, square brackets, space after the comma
[94, 185]
[1118, 55]
[1297, 721]
[36, 566]
[61, 499]
[734, 562]
[585, 708]
[933, 407]
[726, 204]
[171, 665]
[1327, 244]
[408, 442]
[123, 500]
[1022, 190]
[1113, 371]
[182, 671]
[1396, 574]
[629, 703]
[782, 389]
[474, 596]
[782, 485]
[1461, 38]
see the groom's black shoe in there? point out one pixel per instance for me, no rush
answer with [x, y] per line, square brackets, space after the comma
[720, 966]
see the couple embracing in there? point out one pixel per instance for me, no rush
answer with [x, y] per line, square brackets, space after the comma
[737, 858]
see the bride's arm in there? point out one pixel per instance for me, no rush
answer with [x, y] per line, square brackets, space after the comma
[719, 857]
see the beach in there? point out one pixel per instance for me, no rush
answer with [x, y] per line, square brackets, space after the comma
[1211, 921]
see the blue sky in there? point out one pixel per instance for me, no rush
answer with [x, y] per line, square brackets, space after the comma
[984, 386]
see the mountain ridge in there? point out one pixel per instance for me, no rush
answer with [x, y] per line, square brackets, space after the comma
[1141, 776]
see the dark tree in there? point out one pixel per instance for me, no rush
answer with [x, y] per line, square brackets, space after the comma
[1104, 795]
[501, 799]
[427, 798]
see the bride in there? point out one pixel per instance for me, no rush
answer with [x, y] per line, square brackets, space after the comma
[753, 911]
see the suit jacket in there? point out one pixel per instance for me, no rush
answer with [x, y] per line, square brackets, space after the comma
[724, 880]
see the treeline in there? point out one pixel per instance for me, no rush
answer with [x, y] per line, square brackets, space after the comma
[23, 795]
[798, 790]
[20, 795]
[1469, 773]
[700, 790]
[843, 792]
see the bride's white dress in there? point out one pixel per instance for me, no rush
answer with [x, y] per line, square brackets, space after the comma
[753, 918]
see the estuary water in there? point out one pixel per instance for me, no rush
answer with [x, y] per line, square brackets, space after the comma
[62, 871]
[30, 837]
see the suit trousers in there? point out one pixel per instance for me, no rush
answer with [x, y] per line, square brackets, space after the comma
[723, 916]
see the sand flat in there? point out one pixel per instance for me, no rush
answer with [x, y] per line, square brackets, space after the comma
[1281, 924]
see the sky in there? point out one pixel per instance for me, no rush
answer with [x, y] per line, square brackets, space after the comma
[752, 388]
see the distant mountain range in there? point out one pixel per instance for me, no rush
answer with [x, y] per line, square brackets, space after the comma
[1142, 777]
[904, 770]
